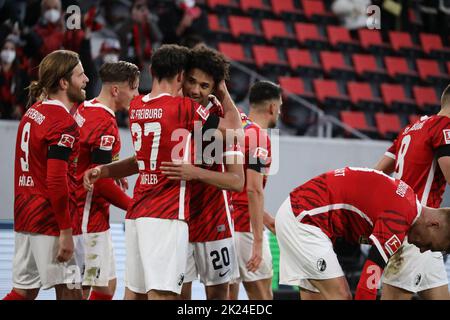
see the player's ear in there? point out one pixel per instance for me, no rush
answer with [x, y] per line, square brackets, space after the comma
[180, 76]
[114, 90]
[63, 83]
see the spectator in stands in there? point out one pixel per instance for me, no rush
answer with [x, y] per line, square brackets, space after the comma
[13, 81]
[139, 36]
[182, 20]
[109, 52]
[353, 13]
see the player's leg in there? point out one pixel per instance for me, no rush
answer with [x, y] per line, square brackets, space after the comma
[104, 293]
[259, 289]
[186, 291]
[190, 274]
[67, 292]
[333, 289]
[217, 292]
[131, 295]
[394, 293]
[438, 293]
[162, 295]
[310, 295]
[234, 290]
[22, 294]
[134, 272]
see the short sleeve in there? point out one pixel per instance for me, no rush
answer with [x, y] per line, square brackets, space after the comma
[62, 136]
[392, 150]
[259, 151]
[440, 137]
[198, 113]
[105, 142]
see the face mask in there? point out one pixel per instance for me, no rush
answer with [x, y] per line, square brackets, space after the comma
[8, 55]
[111, 58]
[52, 15]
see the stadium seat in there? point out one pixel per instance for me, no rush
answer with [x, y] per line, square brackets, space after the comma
[394, 98]
[219, 31]
[234, 51]
[398, 69]
[414, 118]
[295, 85]
[388, 125]
[267, 56]
[334, 64]
[366, 66]
[371, 40]
[402, 42]
[357, 120]
[222, 5]
[432, 45]
[308, 34]
[315, 11]
[426, 99]
[340, 38]
[286, 8]
[243, 28]
[256, 8]
[361, 95]
[300, 60]
[429, 71]
[276, 31]
[327, 92]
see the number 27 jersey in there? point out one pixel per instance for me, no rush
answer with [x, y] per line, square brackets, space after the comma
[416, 151]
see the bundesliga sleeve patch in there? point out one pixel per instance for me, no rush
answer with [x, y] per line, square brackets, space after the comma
[106, 143]
[392, 244]
[203, 112]
[66, 141]
[446, 133]
[261, 153]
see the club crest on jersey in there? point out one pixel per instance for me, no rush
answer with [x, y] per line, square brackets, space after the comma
[261, 153]
[66, 140]
[446, 135]
[203, 112]
[392, 244]
[321, 265]
[417, 279]
[106, 143]
[180, 280]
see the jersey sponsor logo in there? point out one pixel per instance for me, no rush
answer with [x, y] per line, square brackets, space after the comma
[66, 140]
[446, 135]
[203, 112]
[106, 143]
[321, 265]
[224, 273]
[401, 189]
[392, 244]
[261, 153]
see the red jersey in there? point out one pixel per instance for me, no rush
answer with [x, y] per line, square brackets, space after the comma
[415, 153]
[161, 130]
[360, 205]
[45, 124]
[210, 207]
[257, 155]
[99, 144]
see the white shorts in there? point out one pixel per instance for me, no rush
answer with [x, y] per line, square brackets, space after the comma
[305, 251]
[156, 254]
[100, 265]
[244, 246]
[413, 271]
[214, 261]
[35, 265]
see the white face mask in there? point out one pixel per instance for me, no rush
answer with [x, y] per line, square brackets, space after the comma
[52, 15]
[111, 58]
[8, 55]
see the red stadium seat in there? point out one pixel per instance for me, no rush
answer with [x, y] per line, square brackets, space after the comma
[432, 44]
[327, 92]
[215, 26]
[254, 5]
[214, 4]
[429, 71]
[426, 98]
[308, 34]
[397, 68]
[274, 29]
[234, 51]
[243, 26]
[294, 85]
[356, 120]
[265, 55]
[285, 7]
[394, 97]
[334, 63]
[340, 37]
[361, 95]
[315, 10]
[366, 66]
[388, 125]
[402, 41]
[413, 118]
[302, 61]
[372, 40]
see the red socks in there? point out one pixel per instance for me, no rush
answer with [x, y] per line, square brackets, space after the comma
[99, 296]
[13, 295]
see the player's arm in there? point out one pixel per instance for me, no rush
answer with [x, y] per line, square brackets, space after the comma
[443, 156]
[269, 222]
[370, 276]
[117, 169]
[386, 164]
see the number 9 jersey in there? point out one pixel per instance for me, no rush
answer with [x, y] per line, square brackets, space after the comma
[416, 151]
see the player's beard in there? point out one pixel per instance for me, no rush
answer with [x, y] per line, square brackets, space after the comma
[76, 95]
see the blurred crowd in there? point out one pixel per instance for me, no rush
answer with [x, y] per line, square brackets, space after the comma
[99, 30]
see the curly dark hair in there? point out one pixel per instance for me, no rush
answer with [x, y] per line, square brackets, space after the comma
[210, 62]
[169, 60]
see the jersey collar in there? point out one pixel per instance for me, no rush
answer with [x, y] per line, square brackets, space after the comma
[94, 104]
[147, 97]
[55, 102]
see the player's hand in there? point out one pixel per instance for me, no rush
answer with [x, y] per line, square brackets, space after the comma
[66, 246]
[269, 222]
[179, 171]
[122, 183]
[217, 106]
[90, 177]
[221, 90]
[256, 258]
